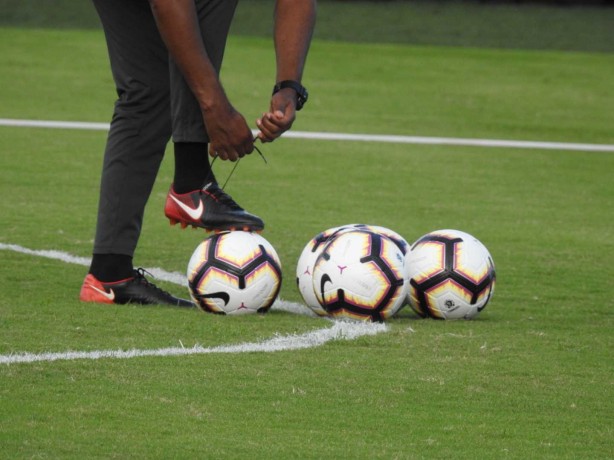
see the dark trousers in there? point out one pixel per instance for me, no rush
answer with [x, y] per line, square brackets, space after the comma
[154, 103]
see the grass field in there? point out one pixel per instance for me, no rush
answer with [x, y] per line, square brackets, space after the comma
[531, 377]
[471, 23]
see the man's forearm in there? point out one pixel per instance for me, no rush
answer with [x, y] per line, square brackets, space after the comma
[178, 26]
[294, 24]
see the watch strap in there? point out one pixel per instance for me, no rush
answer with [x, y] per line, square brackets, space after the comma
[301, 91]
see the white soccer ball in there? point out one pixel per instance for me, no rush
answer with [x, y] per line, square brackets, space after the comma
[397, 239]
[307, 259]
[304, 267]
[451, 275]
[359, 275]
[234, 273]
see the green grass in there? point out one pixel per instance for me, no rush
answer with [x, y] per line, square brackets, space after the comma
[551, 96]
[467, 23]
[449, 23]
[531, 377]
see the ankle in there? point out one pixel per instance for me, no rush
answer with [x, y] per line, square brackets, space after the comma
[192, 166]
[110, 268]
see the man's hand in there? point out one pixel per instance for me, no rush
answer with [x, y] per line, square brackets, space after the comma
[229, 134]
[280, 117]
[294, 23]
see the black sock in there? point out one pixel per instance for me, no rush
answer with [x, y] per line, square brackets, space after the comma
[192, 166]
[111, 267]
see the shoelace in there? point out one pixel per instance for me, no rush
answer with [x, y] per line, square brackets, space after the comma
[219, 195]
[139, 276]
[237, 164]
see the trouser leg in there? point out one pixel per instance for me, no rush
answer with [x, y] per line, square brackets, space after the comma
[215, 17]
[141, 123]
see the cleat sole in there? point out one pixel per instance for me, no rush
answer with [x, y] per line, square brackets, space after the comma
[244, 228]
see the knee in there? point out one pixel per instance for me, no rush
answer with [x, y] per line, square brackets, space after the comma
[138, 97]
[142, 111]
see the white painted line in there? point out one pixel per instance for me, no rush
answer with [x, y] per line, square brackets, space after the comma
[382, 138]
[456, 141]
[48, 254]
[338, 331]
[91, 126]
[158, 273]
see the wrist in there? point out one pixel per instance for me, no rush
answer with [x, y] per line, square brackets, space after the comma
[212, 97]
[301, 92]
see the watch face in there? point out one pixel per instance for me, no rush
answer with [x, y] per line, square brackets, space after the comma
[301, 98]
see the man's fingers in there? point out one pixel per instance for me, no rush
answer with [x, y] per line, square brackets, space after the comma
[232, 153]
[265, 134]
[272, 125]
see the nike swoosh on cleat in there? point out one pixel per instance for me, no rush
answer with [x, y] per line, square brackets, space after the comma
[109, 295]
[194, 213]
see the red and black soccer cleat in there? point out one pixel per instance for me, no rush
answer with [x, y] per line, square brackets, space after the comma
[132, 290]
[209, 208]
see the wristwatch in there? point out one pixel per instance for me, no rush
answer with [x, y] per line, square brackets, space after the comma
[301, 91]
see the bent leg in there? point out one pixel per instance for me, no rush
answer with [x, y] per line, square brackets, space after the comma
[141, 123]
[215, 17]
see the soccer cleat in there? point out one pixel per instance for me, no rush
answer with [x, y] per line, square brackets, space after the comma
[209, 208]
[132, 290]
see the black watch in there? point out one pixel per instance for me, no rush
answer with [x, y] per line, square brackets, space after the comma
[301, 91]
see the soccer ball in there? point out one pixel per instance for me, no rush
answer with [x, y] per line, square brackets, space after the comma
[307, 259]
[397, 239]
[451, 275]
[304, 267]
[359, 275]
[234, 273]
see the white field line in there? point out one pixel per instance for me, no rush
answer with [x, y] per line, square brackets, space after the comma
[339, 330]
[158, 273]
[456, 141]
